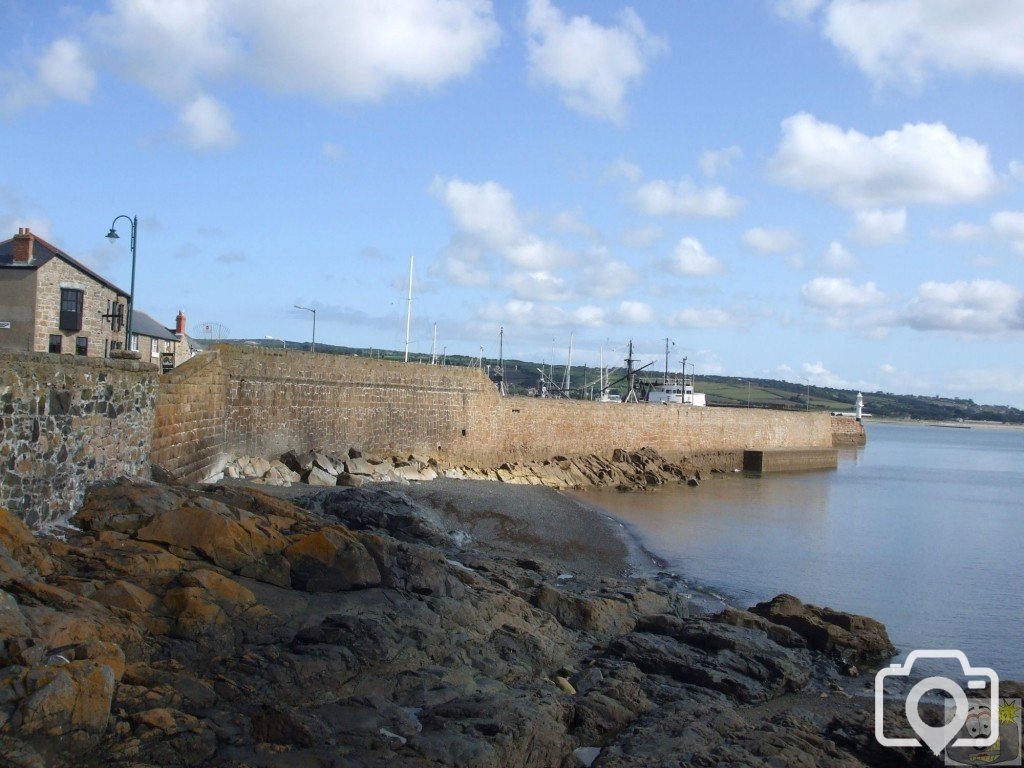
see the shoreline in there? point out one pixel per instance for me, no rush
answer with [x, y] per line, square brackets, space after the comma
[460, 625]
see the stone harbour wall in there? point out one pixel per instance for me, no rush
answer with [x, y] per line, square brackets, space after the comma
[262, 402]
[847, 431]
[67, 422]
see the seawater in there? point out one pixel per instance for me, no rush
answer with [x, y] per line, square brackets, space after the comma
[922, 529]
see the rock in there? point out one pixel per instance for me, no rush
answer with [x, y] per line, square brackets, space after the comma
[14, 534]
[227, 539]
[331, 560]
[851, 639]
[597, 614]
[564, 685]
[350, 481]
[357, 465]
[321, 477]
[325, 463]
[126, 596]
[71, 697]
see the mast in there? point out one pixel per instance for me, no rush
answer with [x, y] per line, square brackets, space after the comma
[501, 360]
[568, 368]
[666, 364]
[433, 347]
[408, 311]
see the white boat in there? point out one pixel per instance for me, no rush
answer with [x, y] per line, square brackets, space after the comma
[677, 393]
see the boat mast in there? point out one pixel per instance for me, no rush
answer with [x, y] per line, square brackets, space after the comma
[568, 368]
[433, 347]
[408, 311]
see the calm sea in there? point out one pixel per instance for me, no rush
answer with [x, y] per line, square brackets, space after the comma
[922, 529]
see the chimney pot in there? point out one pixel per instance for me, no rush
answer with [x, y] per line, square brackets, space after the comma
[179, 327]
[22, 251]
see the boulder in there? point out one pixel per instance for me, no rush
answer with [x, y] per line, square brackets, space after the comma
[331, 560]
[230, 540]
[856, 641]
[321, 477]
[70, 697]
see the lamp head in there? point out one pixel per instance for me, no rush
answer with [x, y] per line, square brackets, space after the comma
[112, 235]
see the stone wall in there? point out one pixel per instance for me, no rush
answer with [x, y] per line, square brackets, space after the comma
[261, 402]
[67, 422]
[190, 424]
[847, 431]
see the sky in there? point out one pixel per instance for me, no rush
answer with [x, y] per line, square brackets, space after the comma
[822, 191]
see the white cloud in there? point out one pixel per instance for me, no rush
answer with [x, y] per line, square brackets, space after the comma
[962, 232]
[623, 169]
[357, 50]
[635, 313]
[591, 65]
[703, 319]
[661, 198]
[539, 285]
[573, 223]
[975, 307]
[821, 376]
[642, 237]
[879, 227]
[714, 161]
[62, 72]
[904, 40]
[690, 258]
[605, 278]
[531, 314]
[799, 10]
[837, 258]
[486, 219]
[919, 163]
[206, 124]
[771, 240]
[1009, 225]
[840, 294]
[1017, 170]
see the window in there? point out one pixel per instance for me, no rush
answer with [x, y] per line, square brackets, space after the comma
[135, 343]
[115, 314]
[55, 340]
[154, 348]
[82, 345]
[71, 303]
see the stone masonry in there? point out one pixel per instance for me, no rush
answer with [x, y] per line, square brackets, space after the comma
[51, 277]
[68, 422]
[262, 402]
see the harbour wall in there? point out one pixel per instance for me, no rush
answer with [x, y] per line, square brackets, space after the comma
[67, 422]
[261, 402]
[847, 431]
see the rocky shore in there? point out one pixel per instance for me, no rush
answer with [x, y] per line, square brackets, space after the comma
[626, 470]
[478, 626]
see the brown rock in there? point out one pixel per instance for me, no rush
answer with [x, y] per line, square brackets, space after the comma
[14, 534]
[126, 596]
[331, 560]
[225, 592]
[71, 697]
[224, 541]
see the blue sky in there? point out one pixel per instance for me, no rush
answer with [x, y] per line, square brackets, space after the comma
[820, 189]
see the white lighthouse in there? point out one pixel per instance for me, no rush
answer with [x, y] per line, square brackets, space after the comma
[859, 405]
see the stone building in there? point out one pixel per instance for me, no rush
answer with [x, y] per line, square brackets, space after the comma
[50, 302]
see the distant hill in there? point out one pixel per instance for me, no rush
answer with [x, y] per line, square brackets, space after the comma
[522, 377]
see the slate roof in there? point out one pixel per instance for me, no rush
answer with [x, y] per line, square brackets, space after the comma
[144, 325]
[42, 252]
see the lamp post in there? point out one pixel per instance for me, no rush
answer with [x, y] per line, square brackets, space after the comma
[112, 236]
[748, 391]
[312, 346]
[807, 400]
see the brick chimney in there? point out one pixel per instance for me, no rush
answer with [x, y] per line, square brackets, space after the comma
[179, 323]
[22, 252]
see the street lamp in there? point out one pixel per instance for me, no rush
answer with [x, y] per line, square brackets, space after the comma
[807, 400]
[112, 236]
[312, 346]
[748, 391]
